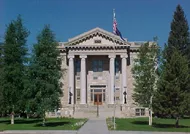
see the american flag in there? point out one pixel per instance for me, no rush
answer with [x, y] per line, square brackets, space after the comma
[115, 29]
[114, 23]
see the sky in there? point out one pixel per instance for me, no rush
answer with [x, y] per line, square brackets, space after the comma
[138, 20]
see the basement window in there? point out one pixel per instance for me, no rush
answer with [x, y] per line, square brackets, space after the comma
[140, 112]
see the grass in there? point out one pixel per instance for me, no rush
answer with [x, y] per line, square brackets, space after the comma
[141, 124]
[36, 124]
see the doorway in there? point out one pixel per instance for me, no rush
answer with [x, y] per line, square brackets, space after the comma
[98, 96]
[98, 99]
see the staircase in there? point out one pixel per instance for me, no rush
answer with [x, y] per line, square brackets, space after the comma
[91, 111]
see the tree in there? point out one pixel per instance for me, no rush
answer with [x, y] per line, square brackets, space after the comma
[173, 86]
[171, 96]
[179, 37]
[1, 71]
[144, 73]
[45, 73]
[13, 66]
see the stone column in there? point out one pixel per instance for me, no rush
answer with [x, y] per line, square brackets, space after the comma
[71, 78]
[83, 80]
[112, 79]
[124, 76]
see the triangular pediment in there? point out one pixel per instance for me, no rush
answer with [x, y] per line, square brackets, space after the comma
[96, 36]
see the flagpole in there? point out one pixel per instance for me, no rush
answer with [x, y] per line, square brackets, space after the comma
[114, 72]
[113, 17]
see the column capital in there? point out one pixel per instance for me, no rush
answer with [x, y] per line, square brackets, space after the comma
[71, 56]
[111, 56]
[83, 56]
[123, 56]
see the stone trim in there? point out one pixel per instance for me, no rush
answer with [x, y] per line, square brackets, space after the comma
[124, 56]
[83, 56]
[71, 56]
[111, 56]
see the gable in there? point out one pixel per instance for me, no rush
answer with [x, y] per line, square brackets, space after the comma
[94, 37]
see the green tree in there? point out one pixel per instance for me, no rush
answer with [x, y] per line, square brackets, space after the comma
[45, 73]
[30, 94]
[171, 96]
[13, 67]
[173, 85]
[179, 37]
[144, 73]
[2, 107]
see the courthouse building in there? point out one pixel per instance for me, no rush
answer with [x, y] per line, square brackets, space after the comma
[96, 68]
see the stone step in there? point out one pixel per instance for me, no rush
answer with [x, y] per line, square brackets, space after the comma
[90, 115]
[95, 109]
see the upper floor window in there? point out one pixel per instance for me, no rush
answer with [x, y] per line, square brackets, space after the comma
[117, 65]
[77, 65]
[97, 65]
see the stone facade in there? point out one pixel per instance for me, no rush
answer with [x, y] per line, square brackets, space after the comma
[93, 65]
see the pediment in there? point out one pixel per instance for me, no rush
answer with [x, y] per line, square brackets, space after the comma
[96, 36]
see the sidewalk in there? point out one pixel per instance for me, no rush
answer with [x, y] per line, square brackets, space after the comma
[145, 132]
[94, 126]
[39, 132]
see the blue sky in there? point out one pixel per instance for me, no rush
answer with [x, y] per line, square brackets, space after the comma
[138, 20]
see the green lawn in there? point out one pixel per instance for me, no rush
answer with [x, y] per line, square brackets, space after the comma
[141, 124]
[36, 124]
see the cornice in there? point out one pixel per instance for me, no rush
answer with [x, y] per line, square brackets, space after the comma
[97, 47]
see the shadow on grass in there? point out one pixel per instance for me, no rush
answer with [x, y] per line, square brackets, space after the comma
[157, 125]
[140, 122]
[188, 117]
[21, 121]
[52, 124]
[27, 121]
[5, 121]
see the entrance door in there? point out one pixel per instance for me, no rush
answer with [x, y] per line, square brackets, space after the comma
[98, 99]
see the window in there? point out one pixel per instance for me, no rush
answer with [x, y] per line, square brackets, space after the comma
[117, 65]
[91, 92]
[116, 77]
[117, 98]
[78, 94]
[95, 78]
[140, 112]
[104, 96]
[97, 65]
[117, 88]
[97, 41]
[97, 90]
[77, 65]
